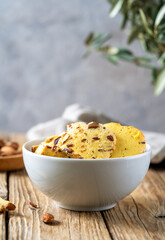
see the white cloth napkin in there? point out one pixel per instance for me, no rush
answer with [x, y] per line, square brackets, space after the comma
[76, 112]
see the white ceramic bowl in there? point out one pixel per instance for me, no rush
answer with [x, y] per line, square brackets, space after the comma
[85, 184]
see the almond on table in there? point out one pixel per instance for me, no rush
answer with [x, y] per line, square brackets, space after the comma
[6, 205]
[8, 148]
[48, 218]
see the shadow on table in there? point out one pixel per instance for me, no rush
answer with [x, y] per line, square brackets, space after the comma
[160, 166]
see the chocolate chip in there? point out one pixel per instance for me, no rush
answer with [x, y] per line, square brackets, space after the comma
[55, 147]
[56, 140]
[143, 142]
[68, 150]
[93, 157]
[69, 145]
[83, 140]
[96, 138]
[93, 125]
[34, 148]
[110, 137]
[48, 146]
[104, 127]
[101, 150]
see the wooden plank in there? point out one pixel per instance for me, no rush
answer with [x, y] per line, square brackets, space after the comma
[3, 194]
[25, 223]
[140, 215]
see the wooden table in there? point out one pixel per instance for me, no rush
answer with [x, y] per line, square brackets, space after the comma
[140, 216]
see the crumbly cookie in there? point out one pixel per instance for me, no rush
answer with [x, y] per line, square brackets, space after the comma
[130, 140]
[91, 141]
[49, 148]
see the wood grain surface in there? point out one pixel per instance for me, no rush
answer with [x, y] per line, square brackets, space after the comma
[26, 222]
[139, 216]
[3, 194]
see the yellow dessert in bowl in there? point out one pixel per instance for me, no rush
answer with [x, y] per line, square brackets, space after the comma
[130, 140]
[94, 141]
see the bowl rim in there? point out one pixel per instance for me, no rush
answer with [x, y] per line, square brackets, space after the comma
[51, 158]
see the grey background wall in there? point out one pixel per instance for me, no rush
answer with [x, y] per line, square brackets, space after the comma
[42, 69]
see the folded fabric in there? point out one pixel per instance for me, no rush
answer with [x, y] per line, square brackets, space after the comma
[72, 113]
[76, 112]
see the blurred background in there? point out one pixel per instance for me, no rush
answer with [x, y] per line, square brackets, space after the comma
[42, 70]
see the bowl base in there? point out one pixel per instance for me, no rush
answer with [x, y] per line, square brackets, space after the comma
[86, 209]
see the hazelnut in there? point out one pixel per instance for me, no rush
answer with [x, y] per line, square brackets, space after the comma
[110, 138]
[10, 206]
[7, 151]
[93, 125]
[33, 205]
[34, 148]
[2, 142]
[6, 205]
[14, 145]
[48, 218]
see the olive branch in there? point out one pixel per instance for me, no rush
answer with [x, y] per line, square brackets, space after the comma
[147, 24]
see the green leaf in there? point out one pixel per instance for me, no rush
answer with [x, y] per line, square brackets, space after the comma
[134, 34]
[162, 59]
[126, 57]
[125, 14]
[154, 74]
[124, 21]
[144, 21]
[89, 38]
[100, 39]
[113, 59]
[160, 15]
[125, 51]
[144, 59]
[160, 83]
[116, 8]
[161, 27]
[125, 54]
